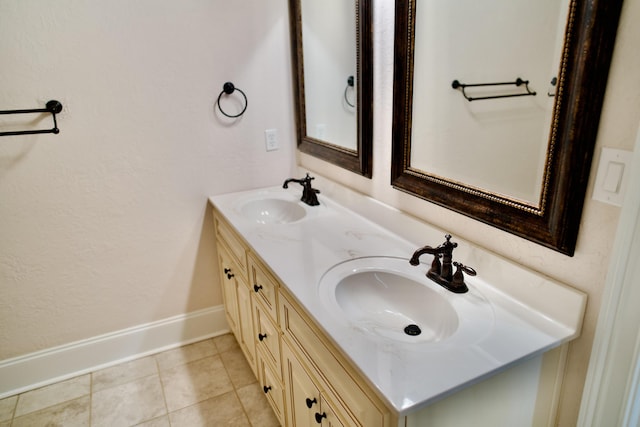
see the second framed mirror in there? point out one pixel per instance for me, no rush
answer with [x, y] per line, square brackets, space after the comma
[496, 108]
[332, 51]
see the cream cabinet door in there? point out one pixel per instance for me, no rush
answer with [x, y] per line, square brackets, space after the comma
[328, 416]
[302, 395]
[229, 293]
[237, 304]
[272, 386]
[247, 336]
[308, 406]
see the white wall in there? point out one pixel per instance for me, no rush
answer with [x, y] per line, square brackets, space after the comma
[587, 269]
[105, 226]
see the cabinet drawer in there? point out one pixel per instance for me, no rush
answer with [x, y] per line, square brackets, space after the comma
[265, 287]
[347, 387]
[234, 243]
[272, 387]
[267, 336]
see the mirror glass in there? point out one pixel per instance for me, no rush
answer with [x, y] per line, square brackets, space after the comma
[484, 140]
[332, 63]
[329, 70]
[496, 108]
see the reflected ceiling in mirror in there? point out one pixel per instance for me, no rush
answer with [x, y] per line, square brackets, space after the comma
[520, 163]
[332, 50]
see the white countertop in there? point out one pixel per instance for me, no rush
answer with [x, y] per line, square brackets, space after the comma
[531, 313]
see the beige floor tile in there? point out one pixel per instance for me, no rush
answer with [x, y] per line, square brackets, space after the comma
[186, 354]
[7, 406]
[224, 410]
[198, 382]
[128, 404]
[194, 382]
[226, 342]
[123, 373]
[257, 407]
[73, 413]
[156, 422]
[54, 394]
[238, 368]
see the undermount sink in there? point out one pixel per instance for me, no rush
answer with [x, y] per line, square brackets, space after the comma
[271, 210]
[386, 298]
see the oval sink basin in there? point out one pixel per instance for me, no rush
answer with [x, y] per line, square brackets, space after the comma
[387, 298]
[395, 306]
[272, 211]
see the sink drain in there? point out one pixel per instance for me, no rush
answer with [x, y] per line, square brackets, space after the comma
[412, 330]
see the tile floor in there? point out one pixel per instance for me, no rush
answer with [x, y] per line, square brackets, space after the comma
[208, 383]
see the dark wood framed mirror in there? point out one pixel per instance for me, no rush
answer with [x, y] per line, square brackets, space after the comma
[553, 219]
[332, 50]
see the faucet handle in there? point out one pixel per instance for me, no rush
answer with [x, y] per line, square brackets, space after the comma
[457, 282]
[461, 267]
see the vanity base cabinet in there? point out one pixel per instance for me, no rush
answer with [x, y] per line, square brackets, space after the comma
[290, 356]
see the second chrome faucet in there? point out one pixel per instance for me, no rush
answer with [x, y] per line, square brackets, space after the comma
[442, 272]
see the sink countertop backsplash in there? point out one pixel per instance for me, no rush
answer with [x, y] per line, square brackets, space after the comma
[532, 314]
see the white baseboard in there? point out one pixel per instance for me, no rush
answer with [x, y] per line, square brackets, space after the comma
[45, 367]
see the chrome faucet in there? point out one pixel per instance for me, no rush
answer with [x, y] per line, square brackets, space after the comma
[442, 272]
[308, 193]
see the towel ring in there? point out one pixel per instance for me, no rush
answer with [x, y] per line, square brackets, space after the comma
[350, 83]
[229, 88]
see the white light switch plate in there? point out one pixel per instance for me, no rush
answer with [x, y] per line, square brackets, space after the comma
[271, 139]
[611, 179]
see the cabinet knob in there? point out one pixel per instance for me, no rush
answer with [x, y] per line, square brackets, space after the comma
[266, 389]
[256, 288]
[311, 402]
[230, 275]
[319, 417]
[227, 270]
[262, 336]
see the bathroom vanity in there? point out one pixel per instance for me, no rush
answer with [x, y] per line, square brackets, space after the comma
[318, 298]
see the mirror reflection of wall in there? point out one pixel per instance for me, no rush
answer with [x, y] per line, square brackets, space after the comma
[329, 45]
[497, 145]
[483, 169]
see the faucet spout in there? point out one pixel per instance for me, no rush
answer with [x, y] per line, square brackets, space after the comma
[286, 182]
[415, 259]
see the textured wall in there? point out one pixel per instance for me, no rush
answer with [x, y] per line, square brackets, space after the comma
[587, 269]
[105, 226]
